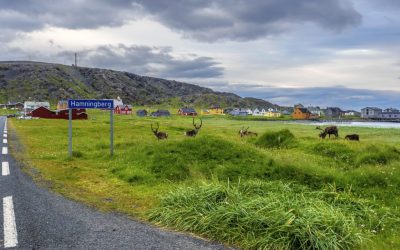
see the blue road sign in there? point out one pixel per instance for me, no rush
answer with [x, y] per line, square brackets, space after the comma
[91, 104]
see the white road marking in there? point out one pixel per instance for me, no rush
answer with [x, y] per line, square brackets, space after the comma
[4, 151]
[4, 140]
[10, 227]
[5, 168]
[5, 131]
[5, 135]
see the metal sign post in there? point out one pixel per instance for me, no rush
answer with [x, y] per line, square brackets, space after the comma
[91, 104]
[70, 132]
[111, 132]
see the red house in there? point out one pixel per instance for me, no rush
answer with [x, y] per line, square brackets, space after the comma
[187, 111]
[42, 112]
[123, 109]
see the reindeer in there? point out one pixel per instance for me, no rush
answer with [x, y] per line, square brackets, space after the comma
[159, 135]
[333, 130]
[352, 137]
[245, 132]
[193, 132]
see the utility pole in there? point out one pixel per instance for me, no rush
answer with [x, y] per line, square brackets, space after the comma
[76, 55]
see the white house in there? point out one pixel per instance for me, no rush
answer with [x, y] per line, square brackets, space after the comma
[390, 113]
[352, 113]
[118, 102]
[249, 112]
[371, 112]
[316, 110]
[256, 112]
[30, 106]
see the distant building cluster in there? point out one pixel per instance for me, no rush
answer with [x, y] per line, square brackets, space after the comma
[12, 105]
[269, 112]
[299, 112]
[303, 113]
[214, 110]
[378, 113]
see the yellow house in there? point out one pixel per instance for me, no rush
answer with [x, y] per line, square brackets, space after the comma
[273, 113]
[63, 104]
[215, 110]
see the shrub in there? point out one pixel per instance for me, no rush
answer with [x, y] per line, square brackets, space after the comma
[281, 139]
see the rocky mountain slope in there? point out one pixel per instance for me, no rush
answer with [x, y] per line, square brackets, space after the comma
[42, 81]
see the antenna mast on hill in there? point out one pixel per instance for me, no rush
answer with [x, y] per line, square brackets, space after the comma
[76, 55]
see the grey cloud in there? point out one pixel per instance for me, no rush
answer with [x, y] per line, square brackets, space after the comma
[346, 98]
[31, 14]
[145, 60]
[205, 20]
[212, 20]
[382, 3]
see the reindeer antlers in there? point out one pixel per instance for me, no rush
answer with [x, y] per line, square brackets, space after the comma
[201, 124]
[160, 135]
[155, 130]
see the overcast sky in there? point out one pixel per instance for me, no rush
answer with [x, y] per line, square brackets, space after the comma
[342, 53]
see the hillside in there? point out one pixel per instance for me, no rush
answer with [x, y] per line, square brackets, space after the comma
[43, 81]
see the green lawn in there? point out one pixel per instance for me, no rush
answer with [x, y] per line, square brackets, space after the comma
[285, 189]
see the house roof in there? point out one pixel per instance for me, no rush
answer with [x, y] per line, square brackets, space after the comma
[14, 103]
[161, 112]
[188, 110]
[304, 110]
[314, 108]
[334, 109]
[125, 105]
[41, 107]
[215, 107]
[38, 104]
[373, 108]
[388, 110]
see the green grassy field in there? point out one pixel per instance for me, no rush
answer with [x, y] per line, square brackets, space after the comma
[285, 189]
[8, 111]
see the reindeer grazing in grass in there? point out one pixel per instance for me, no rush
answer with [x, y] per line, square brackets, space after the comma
[332, 130]
[158, 134]
[352, 137]
[246, 132]
[193, 132]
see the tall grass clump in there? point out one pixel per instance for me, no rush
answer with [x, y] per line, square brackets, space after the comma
[335, 151]
[264, 215]
[205, 157]
[373, 155]
[280, 139]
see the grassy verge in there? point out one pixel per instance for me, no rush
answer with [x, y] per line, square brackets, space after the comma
[329, 188]
[269, 215]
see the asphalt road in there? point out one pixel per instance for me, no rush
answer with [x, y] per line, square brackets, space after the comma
[34, 218]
